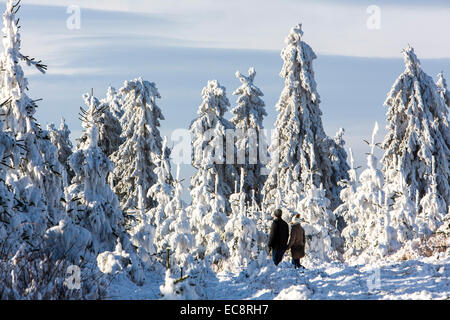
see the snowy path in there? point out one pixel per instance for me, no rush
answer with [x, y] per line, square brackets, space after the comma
[427, 278]
[406, 280]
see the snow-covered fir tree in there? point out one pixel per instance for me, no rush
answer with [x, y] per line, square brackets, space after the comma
[61, 139]
[162, 192]
[137, 155]
[208, 219]
[298, 127]
[142, 235]
[33, 268]
[181, 240]
[248, 116]
[114, 100]
[38, 180]
[242, 232]
[201, 195]
[442, 87]
[417, 144]
[52, 177]
[368, 232]
[339, 166]
[13, 82]
[209, 148]
[92, 203]
[347, 194]
[110, 133]
[323, 241]
[10, 215]
[213, 226]
[434, 208]
[109, 127]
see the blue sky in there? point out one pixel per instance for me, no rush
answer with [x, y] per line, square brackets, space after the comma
[180, 45]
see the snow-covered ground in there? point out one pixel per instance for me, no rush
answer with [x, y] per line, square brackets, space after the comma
[426, 278]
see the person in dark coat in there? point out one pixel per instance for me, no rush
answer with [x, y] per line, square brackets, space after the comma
[297, 241]
[279, 234]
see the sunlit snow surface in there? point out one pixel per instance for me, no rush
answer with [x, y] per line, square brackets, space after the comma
[427, 278]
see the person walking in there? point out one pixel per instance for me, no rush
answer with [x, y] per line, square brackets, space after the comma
[279, 234]
[297, 241]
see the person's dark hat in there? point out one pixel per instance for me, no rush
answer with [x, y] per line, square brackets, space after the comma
[277, 213]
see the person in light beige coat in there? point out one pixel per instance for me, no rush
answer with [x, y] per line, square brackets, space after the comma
[297, 241]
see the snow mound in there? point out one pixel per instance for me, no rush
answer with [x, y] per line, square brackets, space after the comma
[295, 292]
[177, 289]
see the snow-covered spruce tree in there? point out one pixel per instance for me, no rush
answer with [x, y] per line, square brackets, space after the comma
[248, 118]
[208, 219]
[10, 215]
[340, 167]
[214, 227]
[368, 233]
[241, 231]
[109, 127]
[201, 195]
[136, 158]
[61, 139]
[417, 135]
[192, 273]
[347, 194]
[30, 269]
[39, 180]
[13, 82]
[93, 204]
[110, 133]
[209, 147]
[403, 211]
[442, 87]
[142, 233]
[181, 240]
[161, 192]
[323, 241]
[299, 126]
[114, 100]
[51, 176]
[434, 207]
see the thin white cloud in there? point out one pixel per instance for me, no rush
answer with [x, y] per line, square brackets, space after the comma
[65, 71]
[330, 28]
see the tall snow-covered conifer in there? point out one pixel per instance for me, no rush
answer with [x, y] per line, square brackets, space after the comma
[299, 131]
[209, 147]
[214, 180]
[135, 160]
[417, 144]
[40, 170]
[93, 205]
[248, 118]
